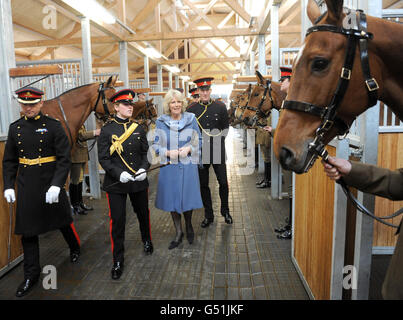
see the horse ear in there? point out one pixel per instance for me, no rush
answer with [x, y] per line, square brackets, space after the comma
[111, 81]
[334, 9]
[259, 77]
[313, 11]
[249, 88]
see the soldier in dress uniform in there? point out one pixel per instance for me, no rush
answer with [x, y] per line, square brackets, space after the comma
[37, 156]
[122, 151]
[194, 92]
[212, 118]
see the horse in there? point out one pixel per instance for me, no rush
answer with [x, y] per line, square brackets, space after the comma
[330, 86]
[243, 102]
[73, 107]
[231, 111]
[264, 96]
[144, 112]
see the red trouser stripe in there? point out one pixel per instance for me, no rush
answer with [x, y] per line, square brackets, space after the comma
[110, 222]
[75, 233]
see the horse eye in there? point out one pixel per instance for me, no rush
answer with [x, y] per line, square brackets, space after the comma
[256, 94]
[319, 64]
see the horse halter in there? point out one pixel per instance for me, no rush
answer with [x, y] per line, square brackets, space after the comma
[328, 114]
[101, 93]
[258, 109]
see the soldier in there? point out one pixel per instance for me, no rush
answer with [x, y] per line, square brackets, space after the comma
[122, 150]
[212, 118]
[37, 155]
[194, 92]
[79, 159]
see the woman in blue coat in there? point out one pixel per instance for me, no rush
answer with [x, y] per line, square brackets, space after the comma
[178, 140]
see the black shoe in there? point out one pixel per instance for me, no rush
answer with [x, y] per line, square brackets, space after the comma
[174, 243]
[117, 270]
[206, 222]
[25, 287]
[148, 247]
[77, 210]
[282, 229]
[85, 207]
[260, 181]
[285, 235]
[264, 184]
[190, 236]
[74, 254]
[227, 218]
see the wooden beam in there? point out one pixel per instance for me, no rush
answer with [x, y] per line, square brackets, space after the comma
[144, 13]
[238, 9]
[35, 71]
[199, 34]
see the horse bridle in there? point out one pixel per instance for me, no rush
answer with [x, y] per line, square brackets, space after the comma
[328, 114]
[101, 94]
[267, 93]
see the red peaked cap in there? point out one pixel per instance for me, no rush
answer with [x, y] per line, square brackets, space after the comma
[204, 82]
[125, 95]
[285, 72]
[193, 91]
[29, 95]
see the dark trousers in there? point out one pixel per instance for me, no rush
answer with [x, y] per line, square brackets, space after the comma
[30, 245]
[117, 215]
[220, 171]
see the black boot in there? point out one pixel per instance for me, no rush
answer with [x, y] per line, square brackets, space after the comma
[117, 270]
[176, 217]
[73, 192]
[267, 176]
[190, 235]
[26, 286]
[80, 198]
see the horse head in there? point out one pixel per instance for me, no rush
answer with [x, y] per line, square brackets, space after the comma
[144, 111]
[328, 88]
[243, 102]
[103, 108]
[265, 96]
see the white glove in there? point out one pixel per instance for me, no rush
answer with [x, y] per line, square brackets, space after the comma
[142, 174]
[126, 177]
[52, 196]
[9, 194]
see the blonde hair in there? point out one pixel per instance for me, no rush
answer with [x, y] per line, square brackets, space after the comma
[170, 95]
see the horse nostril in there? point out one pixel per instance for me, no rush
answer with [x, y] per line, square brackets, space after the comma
[286, 157]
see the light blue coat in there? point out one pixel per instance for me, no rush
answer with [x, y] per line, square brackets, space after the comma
[178, 183]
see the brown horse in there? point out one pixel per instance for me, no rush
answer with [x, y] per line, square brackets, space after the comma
[73, 107]
[265, 96]
[243, 102]
[144, 112]
[331, 61]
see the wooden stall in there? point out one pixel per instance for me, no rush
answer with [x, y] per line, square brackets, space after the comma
[16, 255]
[313, 229]
[390, 155]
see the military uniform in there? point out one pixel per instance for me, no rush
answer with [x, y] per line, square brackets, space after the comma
[212, 118]
[79, 158]
[129, 154]
[37, 156]
[389, 184]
